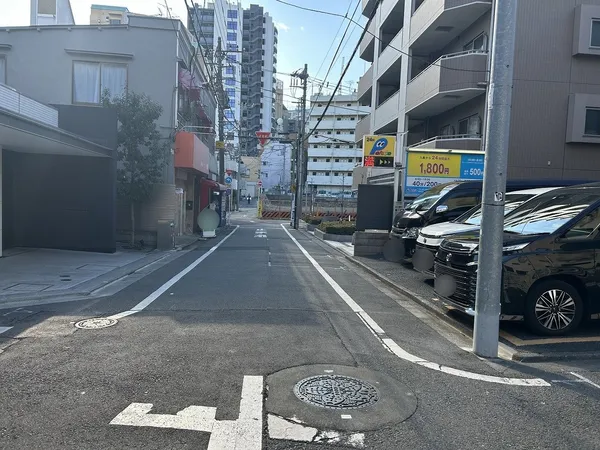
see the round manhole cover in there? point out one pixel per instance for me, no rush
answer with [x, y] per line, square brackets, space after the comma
[336, 392]
[96, 323]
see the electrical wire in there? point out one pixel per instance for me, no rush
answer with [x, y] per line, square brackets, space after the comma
[414, 58]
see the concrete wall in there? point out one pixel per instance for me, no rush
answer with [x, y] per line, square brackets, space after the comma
[58, 201]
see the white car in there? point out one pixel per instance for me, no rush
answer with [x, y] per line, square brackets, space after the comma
[431, 237]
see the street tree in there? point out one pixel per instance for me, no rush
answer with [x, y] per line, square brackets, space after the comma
[142, 152]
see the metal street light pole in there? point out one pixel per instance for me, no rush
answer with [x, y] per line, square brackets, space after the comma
[300, 151]
[497, 132]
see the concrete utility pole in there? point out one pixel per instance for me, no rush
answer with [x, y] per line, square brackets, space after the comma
[219, 56]
[300, 151]
[499, 101]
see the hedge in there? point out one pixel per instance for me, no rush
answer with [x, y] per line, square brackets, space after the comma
[340, 228]
[312, 220]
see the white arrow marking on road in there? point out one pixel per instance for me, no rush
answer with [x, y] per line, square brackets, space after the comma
[245, 433]
[394, 348]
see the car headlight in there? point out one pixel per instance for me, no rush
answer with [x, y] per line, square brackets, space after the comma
[411, 233]
[515, 247]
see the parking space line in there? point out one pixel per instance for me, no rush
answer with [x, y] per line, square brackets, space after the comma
[393, 347]
[557, 340]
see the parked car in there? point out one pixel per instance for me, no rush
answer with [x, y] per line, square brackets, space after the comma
[430, 237]
[447, 202]
[551, 262]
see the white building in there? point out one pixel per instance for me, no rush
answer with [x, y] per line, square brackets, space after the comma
[332, 152]
[51, 12]
[275, 167]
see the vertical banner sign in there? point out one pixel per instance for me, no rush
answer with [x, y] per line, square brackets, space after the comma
[427, 169]
[378, 151]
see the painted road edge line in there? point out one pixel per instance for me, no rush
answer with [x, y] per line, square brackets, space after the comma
[161, 290]
[585, 380]
[393, 347]
[4, 329]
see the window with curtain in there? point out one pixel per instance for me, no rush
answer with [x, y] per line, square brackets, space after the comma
[2, 70]
[91, 79]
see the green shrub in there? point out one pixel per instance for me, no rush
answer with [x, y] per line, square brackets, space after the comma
[340, 228]
[312, 220]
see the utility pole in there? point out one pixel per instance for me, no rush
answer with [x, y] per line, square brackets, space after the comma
[497, 131]
[300, 151]
[219, 55]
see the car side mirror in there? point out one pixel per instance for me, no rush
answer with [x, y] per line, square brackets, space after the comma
[442, 209]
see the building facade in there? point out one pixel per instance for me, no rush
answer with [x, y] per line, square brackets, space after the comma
[259, 63]
[332, 151]
[223, 19]
[275, 168]
[81, 61]
[51, 12]
[429, 77]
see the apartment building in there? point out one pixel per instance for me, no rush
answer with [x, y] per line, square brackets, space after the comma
[429, 76]
[108, 15]
[259, 63]
[223, 19]
[332, 151]
[150, 55]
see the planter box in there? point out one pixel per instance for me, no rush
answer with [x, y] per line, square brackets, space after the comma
[333, 237]
[369, 243]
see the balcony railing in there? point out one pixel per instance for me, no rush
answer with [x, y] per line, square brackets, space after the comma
[365, 86]
[16, 102]
[454, 142]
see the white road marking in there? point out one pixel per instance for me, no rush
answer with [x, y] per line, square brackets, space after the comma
[286, 429]
[394, 348]
[4, 329]
[346, 416]
[245, 433]
[165, 287]
[587, 380]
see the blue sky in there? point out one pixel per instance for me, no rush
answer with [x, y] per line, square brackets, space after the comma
[304, 36]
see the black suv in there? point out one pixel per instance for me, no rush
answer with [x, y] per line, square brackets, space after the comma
[448, 201]
[551, 262]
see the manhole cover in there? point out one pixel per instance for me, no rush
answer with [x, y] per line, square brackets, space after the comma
[336, 392]
[96, 323]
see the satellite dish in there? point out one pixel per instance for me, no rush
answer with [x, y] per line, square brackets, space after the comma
[208, 221]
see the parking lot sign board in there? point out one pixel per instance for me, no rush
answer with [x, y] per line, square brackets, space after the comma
[428, 168]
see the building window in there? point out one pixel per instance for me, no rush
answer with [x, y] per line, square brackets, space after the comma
[228, 114]
[349, 160]
[592, 122]
[314, 173]
[114, 21]
[338, 132]
[479, 43]
[351, 146]
[327, 174]
[339, 118]
[328, 131]
[232, 47]
[319, 104]
[47, 7]
[232, 102]
[337, 160]
[231, 26]
[230, 92]
[336, 174]
[348, 104]
[337, 146]
[231, 58]
[447, 130]
[352, 118]
[359, 159]
[231, 37]
[328, 160]
[315, 146]
[595, 40]
[232, 14]
[328, 146]
[229, 81]
[351, 132]
[470, 126]
[349, 174]
[2, 70]
[91, 80]
[230, 70]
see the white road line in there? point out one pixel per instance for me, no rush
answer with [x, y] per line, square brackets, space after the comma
[194, 418]
[4, 329]
[161, 290]
[391, 345]
[587, 380]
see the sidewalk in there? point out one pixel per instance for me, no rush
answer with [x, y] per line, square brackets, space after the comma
[28, 274]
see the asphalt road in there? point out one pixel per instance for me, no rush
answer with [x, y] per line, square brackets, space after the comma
[211, 346]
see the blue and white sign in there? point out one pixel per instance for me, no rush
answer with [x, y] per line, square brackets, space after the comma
[228, 180]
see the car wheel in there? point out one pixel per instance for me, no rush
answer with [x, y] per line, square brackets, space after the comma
[553, 308]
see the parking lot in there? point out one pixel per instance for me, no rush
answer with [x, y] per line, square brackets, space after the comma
[524, 345]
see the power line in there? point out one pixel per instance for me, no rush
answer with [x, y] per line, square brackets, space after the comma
[364, 28]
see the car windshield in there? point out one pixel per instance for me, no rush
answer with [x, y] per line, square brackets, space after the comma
[546, 213]
[513, 201]
[427, 199]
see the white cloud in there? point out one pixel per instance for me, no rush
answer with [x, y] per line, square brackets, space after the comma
[301, 28]
[282, 26]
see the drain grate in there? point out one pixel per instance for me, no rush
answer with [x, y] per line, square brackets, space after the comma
[336, 392]
[96, 323]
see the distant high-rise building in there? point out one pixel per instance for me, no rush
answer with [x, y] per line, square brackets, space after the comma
[259, 42]
[279, 108]
[332, 151]
[223, 19]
